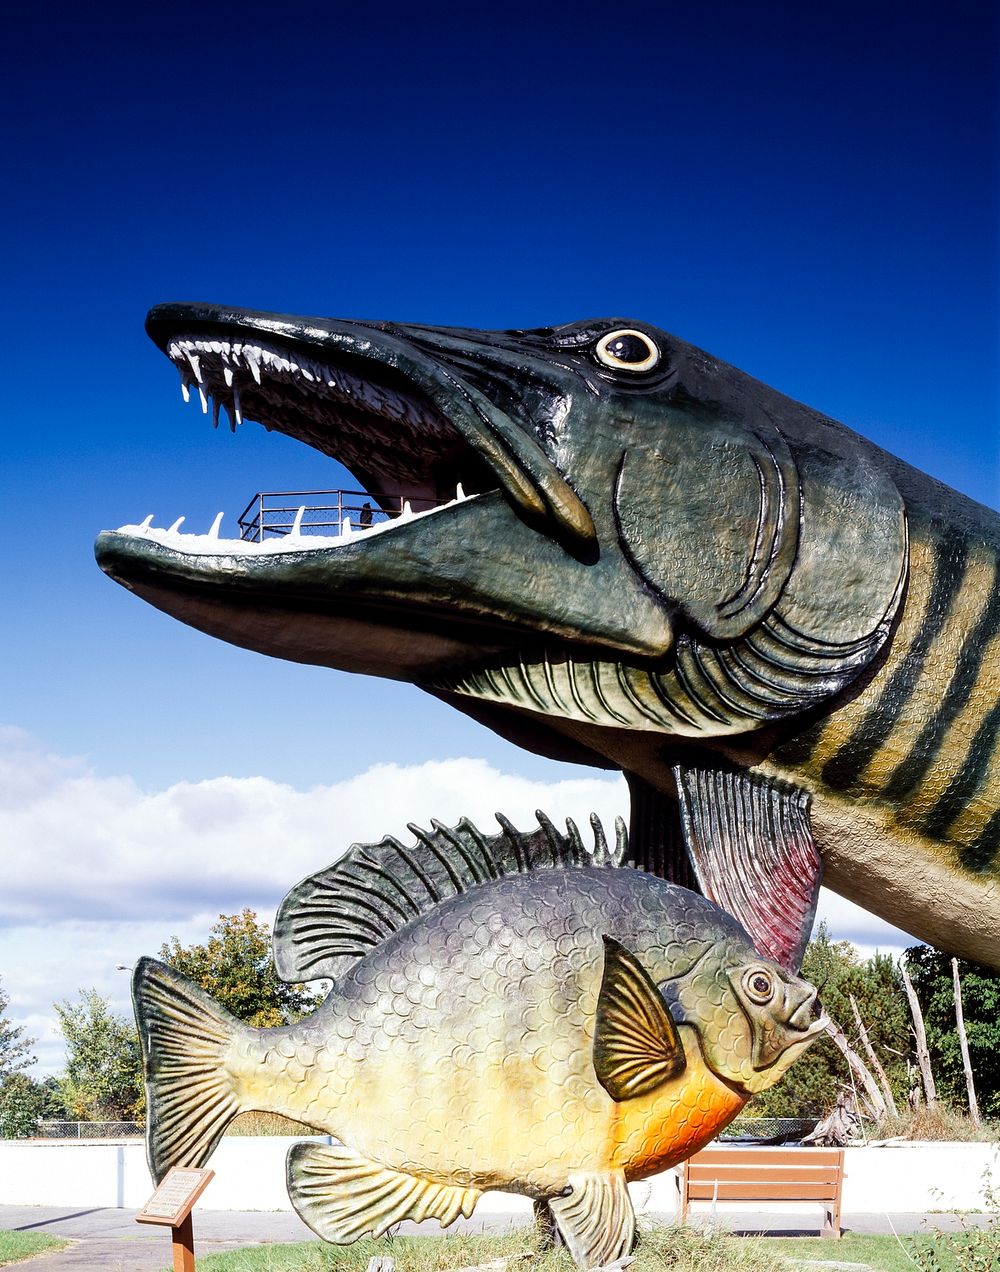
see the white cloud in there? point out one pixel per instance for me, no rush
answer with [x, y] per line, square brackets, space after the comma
[97, 871]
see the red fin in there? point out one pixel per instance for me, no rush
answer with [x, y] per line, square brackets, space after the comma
[753, 852]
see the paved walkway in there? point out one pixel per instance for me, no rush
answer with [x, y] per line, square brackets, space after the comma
[106, 1240]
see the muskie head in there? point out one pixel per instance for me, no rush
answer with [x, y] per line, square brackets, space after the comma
[595, 525]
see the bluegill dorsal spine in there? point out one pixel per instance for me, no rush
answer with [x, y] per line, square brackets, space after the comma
[334, 918]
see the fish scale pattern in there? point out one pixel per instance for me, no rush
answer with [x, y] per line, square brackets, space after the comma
[461, 1049]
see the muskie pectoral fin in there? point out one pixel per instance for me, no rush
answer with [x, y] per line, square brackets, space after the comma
[343, 1196]
[636, 1043]
[595, 1217]
[752, 849]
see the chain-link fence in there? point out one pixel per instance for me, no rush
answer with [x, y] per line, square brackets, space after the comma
[89, 1130]
[773, 1130]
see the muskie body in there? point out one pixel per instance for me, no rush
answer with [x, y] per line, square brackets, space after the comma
[614, 549]
[555, 1033]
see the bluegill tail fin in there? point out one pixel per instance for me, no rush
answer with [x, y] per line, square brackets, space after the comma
[190, 1094]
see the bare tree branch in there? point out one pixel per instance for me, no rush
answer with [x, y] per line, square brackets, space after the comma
[963, 1042]
[871, 1089]
[875, 1062]
[920, 1037]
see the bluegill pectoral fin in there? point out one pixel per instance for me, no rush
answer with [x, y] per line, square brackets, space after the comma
[595, 1217]
[343, 1196]
[636, 1044]
[752, 849]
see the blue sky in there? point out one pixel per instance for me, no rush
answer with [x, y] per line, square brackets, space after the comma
[811, 195]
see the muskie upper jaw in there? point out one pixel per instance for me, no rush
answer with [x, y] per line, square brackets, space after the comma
[404, 411]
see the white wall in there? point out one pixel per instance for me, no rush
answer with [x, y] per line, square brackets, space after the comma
[250, 1175]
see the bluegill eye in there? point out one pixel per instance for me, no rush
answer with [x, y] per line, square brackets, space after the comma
[627, 350]
[759, 986]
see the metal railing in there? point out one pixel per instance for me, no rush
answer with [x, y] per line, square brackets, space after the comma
[88, 1130]
[283, 512]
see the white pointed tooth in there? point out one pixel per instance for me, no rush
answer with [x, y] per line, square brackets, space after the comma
[185, 391]
[237, 413]
[252, 357]
[147, 523]
[227, 375]
[176, 527]
[345, 528]
[459, 493]
[195, 364]
[213, 530]
[297, 523]
[407, 512]
[204, 400]
[332, 383]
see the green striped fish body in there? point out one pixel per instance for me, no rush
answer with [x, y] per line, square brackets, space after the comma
[905, 770]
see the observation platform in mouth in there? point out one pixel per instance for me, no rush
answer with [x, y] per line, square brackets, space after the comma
[276, 513]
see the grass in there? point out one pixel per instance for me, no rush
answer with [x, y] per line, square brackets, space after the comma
[665, 1249]
[935, 1124]
[676, 1249]
[883, 1253]
[268, 1124]
[15, 1246]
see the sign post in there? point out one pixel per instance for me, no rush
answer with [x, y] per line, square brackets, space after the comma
[171, 1206]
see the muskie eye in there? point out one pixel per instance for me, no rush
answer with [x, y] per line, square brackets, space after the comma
[628, 350]
[759, 986]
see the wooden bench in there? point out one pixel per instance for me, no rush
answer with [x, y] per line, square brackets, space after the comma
[766, 1174]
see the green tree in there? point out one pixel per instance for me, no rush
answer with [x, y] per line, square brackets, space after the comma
[24, 1102]
[930, 971]
[812, 1084]
[103, 1079]
[15, 1048]
[235, 966]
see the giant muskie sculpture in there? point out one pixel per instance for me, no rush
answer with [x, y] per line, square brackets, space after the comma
[633, 556]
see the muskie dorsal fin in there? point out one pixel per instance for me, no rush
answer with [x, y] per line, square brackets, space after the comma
[332, 919]
[636, 1044]
[752, 849]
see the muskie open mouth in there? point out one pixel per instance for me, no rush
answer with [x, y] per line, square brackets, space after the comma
[428, 422]
[399, 417]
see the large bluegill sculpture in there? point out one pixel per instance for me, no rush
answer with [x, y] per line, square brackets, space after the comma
[511, 1013]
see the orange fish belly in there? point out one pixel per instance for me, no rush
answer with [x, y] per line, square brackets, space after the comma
[658, 1130]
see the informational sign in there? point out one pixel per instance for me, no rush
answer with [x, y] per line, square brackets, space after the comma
[173, 1200]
